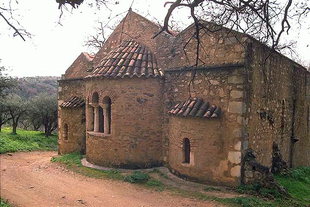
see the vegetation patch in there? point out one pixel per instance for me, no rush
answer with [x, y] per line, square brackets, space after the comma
[25, 141]
[297, 184]
[4, 203]
[137, 177]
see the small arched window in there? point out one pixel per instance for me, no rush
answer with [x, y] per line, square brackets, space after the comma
[65, 132]
[107, 114]
[186, 150]
[95, 98]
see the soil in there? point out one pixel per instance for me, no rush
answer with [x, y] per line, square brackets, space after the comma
[30, 179]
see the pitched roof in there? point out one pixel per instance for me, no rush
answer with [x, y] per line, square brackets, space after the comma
[128, 60]
[195, 107]
[73, 102]
[88, 56]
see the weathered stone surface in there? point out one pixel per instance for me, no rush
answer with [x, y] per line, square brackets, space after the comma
[235, 171]
[234, 157]
[235, 79]
[236, 94]
[236, 107]
[238, 146]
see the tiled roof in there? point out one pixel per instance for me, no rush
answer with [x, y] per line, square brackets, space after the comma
[195, 107]
[128, 60]
[73, 102]
[88, 56]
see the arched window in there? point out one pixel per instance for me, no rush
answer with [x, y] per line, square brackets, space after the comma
[65, 132]
[95, 98]
[186, 150]
[107, 114]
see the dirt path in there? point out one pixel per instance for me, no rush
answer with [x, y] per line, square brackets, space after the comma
[30, 179]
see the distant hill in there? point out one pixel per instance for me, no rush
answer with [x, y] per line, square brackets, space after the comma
[32, 86]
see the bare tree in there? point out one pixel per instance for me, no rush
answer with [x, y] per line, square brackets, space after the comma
[8, 15]
[265, 20]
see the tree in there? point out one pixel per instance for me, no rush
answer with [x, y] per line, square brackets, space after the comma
[4, 114]
[16, 107]
[43, 111]
[6, 83]
[266, 20]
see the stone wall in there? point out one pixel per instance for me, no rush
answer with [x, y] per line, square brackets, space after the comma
[74, 118]
[216, 144]
[276, 107]
[136, 123]
[75, 140]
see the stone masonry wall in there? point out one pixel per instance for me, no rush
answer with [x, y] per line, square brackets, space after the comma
[215, 144]
[136, 123]
[76, 140]
[276, 82]
[75, 118]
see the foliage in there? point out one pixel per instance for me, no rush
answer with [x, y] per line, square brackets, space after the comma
[3, 203]
[29, 87]
[6, 83]
[137, 177]
[25, 141]
[16, 108]
[43, 111]
[258, 189]
[38, 108]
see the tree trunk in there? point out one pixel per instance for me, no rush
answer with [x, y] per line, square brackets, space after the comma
[14, 128]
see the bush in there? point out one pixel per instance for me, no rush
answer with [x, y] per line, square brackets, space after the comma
[137, 177]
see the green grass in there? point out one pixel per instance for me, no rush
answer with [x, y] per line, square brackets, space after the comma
[3, 203]
[297, 183]
[25, 141]
[73, 162]
[137, 177]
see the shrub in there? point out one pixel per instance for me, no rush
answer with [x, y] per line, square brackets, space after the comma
[137, 177]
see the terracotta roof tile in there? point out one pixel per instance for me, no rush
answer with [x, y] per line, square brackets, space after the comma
[195, 107]
[128, 60]
[73, 102]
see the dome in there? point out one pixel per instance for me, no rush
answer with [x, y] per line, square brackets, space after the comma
[129, 59]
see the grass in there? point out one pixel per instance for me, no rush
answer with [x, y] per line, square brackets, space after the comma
[299, 175]
[25, 141]
[3, 203]
[297, 184]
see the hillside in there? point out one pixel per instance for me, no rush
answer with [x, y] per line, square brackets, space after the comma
[32, 86]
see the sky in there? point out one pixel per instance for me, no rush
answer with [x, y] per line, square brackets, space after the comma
[53, 47]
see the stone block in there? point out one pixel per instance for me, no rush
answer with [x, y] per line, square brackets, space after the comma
[235, 171]
[214, 82]
[235, 79]
[237, 132]
[234, 157]
[238, 146]
[236, 107]
[236, 94]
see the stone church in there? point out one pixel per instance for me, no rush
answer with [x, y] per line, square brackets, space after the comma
[140, 103]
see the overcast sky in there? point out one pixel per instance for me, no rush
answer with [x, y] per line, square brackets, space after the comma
[53, 47]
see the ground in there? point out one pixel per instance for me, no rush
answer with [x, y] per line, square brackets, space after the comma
[30, 179]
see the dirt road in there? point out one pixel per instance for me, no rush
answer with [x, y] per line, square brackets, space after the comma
[30, 179]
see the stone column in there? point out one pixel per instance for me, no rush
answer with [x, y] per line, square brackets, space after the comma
[106, 120]
[96, 118]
